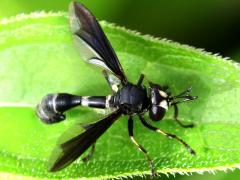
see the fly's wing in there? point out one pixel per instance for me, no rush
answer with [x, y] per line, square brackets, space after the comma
[91, 41]
[74, 142]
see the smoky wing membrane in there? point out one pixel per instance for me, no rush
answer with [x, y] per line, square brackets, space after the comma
[75, 141]
[91, 41]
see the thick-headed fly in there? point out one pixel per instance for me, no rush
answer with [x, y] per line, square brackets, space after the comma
[126, 99]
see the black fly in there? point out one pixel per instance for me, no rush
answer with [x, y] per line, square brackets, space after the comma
[126, 98]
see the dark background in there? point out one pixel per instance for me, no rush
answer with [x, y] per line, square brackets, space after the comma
[213, 25]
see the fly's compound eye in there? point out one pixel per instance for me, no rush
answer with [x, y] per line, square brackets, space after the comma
[156, 113]
[46, 110]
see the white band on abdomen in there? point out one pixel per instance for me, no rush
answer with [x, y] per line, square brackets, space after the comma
[85, 101]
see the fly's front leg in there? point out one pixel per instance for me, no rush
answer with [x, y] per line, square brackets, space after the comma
[171, 136]
[176, 118]
[140, 148]
[90, 154]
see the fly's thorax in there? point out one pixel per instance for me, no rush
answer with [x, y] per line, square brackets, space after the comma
[51, 108]
[132, 99]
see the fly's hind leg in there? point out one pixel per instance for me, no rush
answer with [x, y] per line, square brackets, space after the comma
[112, 81]
[90, 154]
[140, 148]
[176, 118]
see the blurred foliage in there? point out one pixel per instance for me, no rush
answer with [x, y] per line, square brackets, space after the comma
[235, 54]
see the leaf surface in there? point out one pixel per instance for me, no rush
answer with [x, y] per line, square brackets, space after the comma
[37, 57]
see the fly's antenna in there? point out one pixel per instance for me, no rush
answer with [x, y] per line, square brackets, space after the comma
[51, 108]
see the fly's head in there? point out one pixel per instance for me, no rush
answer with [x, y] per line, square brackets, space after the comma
[161, 100]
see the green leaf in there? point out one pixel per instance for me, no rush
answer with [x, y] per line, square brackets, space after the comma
[37, 57]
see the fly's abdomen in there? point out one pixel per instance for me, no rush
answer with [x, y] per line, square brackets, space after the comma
[51, 108]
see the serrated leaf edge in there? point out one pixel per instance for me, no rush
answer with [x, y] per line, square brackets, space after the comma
[167, 172]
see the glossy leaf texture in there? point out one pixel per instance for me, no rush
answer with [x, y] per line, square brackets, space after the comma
[37, 57]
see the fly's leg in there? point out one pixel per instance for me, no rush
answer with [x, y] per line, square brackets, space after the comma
[171, 136]
[90, 154]
[140, 148]
[140, 80]
[176, 118]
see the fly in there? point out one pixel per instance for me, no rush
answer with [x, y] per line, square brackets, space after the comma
[127, 98]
